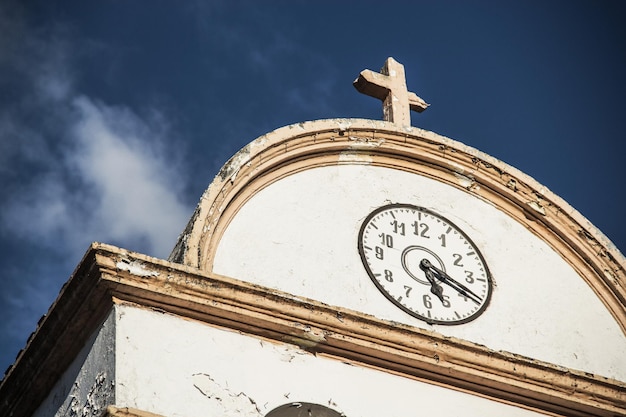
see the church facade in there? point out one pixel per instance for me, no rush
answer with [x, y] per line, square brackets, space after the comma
[345, 267]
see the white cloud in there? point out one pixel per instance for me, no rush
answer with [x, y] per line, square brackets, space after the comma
[72, 170]
[124, 160]
[114, 183]
[86, 171]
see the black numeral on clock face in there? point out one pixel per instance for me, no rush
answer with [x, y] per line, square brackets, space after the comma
[420, 229]
[398, 228]
[388, 275]
[386, 240]
[408, 290]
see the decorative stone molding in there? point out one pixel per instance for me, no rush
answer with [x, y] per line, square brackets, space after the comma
[308, 145]
[113, 411]
[110, 275]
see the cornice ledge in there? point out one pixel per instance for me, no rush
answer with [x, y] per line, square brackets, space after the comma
[113, 411]
[81, 306]
[354, 336]
[109, 275]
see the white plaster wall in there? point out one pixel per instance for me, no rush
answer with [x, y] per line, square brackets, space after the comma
[182, 368]
[86, 388]
[300, 234]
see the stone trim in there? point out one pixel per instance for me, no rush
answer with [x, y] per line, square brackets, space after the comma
[118, 276]
[112, 411]
[353, 336]
[353, 141]
[109, 275]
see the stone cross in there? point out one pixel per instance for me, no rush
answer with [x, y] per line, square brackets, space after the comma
[390, 86]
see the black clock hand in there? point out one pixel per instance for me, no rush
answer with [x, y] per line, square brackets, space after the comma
[447, 279]
[434, 287]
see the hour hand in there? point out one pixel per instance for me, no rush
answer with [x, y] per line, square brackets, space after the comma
[435, 288]
[447, 279]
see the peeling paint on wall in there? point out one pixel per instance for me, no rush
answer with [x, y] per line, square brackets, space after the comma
[135, 268]
[354, 157]
[231, 168]
[464, 181]
[97, 398]
[365, 141]
[88, 386]
[537, 207]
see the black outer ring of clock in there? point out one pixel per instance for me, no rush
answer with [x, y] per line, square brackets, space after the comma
[393, 300]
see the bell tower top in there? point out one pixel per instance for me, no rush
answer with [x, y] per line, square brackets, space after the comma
[390, 86]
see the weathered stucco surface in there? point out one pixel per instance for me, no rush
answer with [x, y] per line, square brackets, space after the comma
[274, 241]
[299, 235]
[88, 385]
[217, 372]
[179, 330]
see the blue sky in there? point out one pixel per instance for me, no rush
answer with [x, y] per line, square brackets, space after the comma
[116, 115]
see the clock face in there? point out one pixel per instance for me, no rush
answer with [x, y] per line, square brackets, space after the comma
[424, 264]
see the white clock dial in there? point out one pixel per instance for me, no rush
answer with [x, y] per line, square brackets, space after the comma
[424, 264]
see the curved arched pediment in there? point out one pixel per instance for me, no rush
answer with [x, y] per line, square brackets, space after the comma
[286, 210]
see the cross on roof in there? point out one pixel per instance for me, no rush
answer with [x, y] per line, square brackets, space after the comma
[390, 86]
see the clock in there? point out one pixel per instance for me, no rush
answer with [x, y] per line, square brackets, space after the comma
[425, 264]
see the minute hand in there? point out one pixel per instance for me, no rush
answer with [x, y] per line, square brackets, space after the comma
[447, 279]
